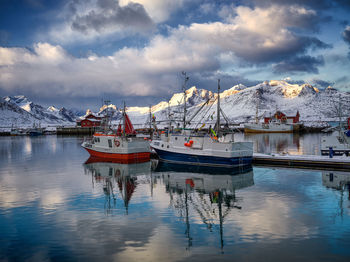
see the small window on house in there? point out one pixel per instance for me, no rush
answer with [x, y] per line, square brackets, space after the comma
[110, 143]
[175, 138]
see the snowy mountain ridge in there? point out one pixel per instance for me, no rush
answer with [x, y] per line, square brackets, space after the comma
[20, 111]
[238, 102]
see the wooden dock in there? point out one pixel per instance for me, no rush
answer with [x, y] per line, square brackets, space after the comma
[76, 130]
[303, 161]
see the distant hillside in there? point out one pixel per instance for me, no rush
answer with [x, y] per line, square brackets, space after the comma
[20, 111]
[239, 104]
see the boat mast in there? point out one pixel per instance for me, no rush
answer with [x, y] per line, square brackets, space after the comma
[340, 116]
[218, 111]
[124, 120]
[150, 121]
[257, 109]
[106, 103]
[184, 90]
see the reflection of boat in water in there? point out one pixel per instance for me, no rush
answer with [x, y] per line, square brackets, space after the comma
[337, 180]
[172, 167]
[208, 183]
[112, 175]
[204, 196]
[108, 168]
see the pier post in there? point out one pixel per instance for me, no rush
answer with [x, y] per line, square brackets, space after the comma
[331, 152]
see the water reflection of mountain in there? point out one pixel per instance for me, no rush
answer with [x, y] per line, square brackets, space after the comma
[115, 175]
[204, 198]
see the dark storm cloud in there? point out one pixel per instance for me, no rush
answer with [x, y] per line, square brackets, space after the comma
[316, 4]
[346, 34]
[307, 64]
[299, 46]
[111, 14]
[274, 33]
[346, 37]
[322, 83]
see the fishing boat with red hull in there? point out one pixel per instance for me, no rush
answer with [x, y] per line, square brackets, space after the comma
[122, 146]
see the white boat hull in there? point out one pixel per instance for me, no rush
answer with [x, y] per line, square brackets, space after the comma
[268, 128]
[124, 149]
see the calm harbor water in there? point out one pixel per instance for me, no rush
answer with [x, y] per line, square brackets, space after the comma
[57, 205]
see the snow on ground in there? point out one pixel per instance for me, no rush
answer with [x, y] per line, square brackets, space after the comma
[239, 104]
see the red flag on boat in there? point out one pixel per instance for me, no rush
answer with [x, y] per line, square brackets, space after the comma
[119, 130]
[129, 129]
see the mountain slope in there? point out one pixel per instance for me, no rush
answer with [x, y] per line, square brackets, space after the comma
[239, 104]
[29, 112]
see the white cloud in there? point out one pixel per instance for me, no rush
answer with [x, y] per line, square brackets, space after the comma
[88, 21]
[159, 10]
[254, 35]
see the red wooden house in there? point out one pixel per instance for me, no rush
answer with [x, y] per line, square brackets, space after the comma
[283, 118]
[89, 121]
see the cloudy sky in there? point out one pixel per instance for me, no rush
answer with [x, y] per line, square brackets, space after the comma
[78, 52]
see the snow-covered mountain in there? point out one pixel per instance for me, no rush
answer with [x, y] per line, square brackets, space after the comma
[239, 104]
[12, 114]
[20, 111]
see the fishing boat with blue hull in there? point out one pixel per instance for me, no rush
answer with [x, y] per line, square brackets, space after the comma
[204, 151]
[191, 147]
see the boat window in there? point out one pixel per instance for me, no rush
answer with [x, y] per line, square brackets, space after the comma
[167, 146]
[162, 145]
[110, 143]
[175, 138]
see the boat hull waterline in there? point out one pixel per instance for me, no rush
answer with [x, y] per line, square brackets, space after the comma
[130, 158]
[202, 160]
